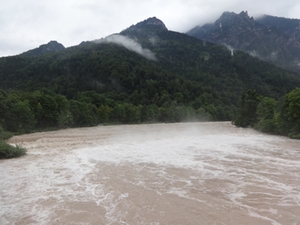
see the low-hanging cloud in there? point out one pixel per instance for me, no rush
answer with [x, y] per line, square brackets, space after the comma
[71, 22]
[130, 44]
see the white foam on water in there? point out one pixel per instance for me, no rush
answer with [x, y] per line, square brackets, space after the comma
[273, 222]
[256, 173]
[246, 160]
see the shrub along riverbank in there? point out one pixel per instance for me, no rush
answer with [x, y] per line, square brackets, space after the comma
[8, 151]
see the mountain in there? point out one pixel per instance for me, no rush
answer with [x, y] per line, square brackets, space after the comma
[52, 46]
[236, 30]
[147, 65]
[290, 27]
[150, 24]
[275, 40]
[145, 30]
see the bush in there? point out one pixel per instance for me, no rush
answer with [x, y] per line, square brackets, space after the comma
[5, 134]
[8, 151]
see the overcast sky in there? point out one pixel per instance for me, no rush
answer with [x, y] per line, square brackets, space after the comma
[27, 24]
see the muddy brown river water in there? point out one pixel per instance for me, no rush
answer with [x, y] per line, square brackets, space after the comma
[187, 173]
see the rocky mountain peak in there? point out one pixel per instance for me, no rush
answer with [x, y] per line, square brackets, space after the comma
[227, 16]
[52, 46]
[149, 24]
[152, 22]
[244, 14]
[230, 18]
[156, 22]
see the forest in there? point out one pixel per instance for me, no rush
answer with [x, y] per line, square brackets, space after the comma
[269, 115]
[105, 83]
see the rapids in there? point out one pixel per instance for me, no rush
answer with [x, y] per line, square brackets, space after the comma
[184, 173]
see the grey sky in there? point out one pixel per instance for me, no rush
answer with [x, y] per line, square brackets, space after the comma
[26, 24]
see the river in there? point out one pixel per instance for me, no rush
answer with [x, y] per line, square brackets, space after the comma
[209, 173]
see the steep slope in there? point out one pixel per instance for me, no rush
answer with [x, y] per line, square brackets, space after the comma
[236, 30]
[291, 27]
[278, 44]
[185, 71]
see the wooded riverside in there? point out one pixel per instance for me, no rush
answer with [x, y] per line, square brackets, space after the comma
[145, 74]
[271, 116]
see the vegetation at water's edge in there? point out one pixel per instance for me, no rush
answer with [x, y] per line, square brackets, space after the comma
[24, 112]
[271, 116]
[8, 151]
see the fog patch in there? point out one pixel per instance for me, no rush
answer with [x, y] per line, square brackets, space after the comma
[153, 40]
[116, 84]
[129, 44]
[231, 49]
[255, 54]
[274, 55]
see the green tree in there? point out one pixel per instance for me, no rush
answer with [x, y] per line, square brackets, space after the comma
[20, 118]
[246, 115]
[65, 118]
[266, 115]
[84, 114]
[119, 114]
[3, 106]
[132, 113]
[149, 114]
[203, 115]
[289, 119]
[47, 111]
[104, 113]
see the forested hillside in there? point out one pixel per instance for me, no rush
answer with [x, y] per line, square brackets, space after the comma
[144, 74]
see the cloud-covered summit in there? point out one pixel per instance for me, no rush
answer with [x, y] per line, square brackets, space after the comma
[29, 23]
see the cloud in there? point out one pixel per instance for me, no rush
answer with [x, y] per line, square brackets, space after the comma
[128, 43]
[31, 23]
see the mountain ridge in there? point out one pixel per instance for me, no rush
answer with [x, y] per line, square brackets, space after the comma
[264, 37]
[183, 73]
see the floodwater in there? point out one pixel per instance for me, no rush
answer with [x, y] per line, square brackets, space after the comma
[186, 173]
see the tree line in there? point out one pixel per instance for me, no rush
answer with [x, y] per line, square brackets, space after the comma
[23, 112]
[269, 115]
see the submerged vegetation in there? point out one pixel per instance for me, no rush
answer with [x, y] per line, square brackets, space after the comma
[8, 151]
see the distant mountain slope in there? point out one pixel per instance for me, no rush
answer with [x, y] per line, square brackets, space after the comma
[184, 71]
[290, 27]
[275, 40]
